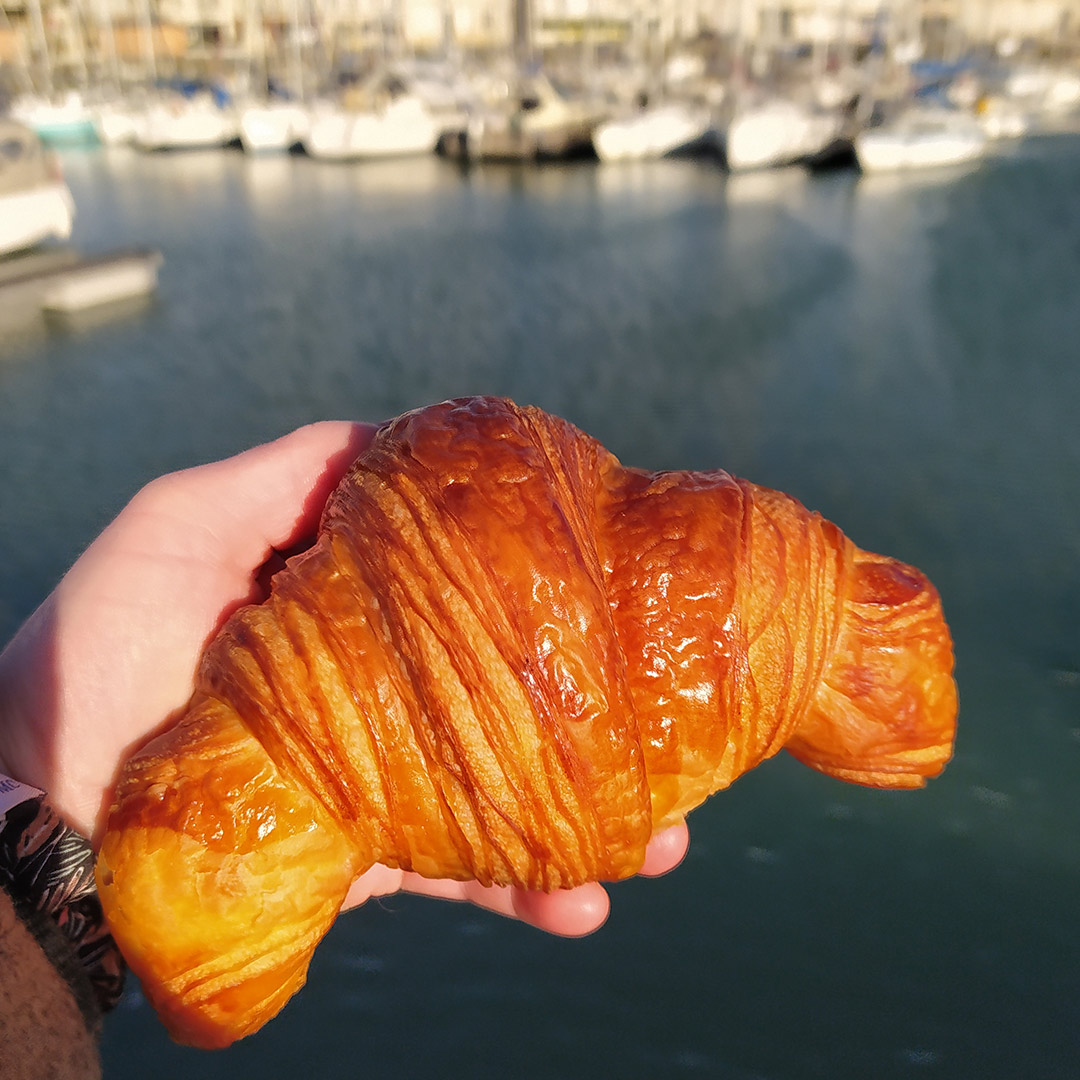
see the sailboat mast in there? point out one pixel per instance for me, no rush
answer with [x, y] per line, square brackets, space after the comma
[44, 61]
[105, 26]
[146, 34]
[523, 32]
[296, 64]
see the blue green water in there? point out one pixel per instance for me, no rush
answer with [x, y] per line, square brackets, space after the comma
[902, 355]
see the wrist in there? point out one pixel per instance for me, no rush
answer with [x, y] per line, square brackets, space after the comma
[47, 869]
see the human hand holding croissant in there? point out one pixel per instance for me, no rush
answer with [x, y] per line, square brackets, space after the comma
[112, 652]
[506, 659]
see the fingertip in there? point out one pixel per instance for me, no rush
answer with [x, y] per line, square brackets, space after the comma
[311, 461]
[666, 850]
[565, 912]
[322, 438]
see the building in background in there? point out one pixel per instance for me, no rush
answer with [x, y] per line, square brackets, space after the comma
[52, 44]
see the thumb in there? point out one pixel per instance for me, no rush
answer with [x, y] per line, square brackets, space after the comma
[232, 513]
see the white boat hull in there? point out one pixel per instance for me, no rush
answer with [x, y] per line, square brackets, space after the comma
[652, 134]
[45, 212]
[776, 134]
[116, 125]
[404, 128]
[184, 126]
[270, 128]
[920, 144]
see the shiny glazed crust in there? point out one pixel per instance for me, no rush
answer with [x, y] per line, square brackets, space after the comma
[506, 658]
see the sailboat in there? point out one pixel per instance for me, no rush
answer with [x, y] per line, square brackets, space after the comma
[66, 119]
[536, 122]
[920, 138]
[189, 117]
[273, 125]
[120, 118]
[779, 132]
[54, 116]
[276, 121]
[654, 131]
[658, 123]
[382, 118]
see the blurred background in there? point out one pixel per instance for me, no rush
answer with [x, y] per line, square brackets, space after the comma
[880, 319]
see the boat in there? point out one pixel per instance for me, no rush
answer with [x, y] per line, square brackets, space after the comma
[118, 115]
[190, 118]
[777, 133]
[921, 138]
[1044, 90]
[1002, 118]
[273, 117]
[57, 286]
[67, 120]
[35, 202]
[273, 126]
[109, 279]
[116, 123]
[655, 131]
[442, 86]
[380, 118]
[537, 122]
[399, 128]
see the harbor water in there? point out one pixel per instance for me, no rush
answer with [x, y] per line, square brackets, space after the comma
[900, 353]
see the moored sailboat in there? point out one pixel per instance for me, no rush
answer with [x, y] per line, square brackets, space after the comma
[653, 132]
[921, 138]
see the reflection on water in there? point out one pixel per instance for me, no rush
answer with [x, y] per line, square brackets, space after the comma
[20, 328]
[93, 319]
[405, 176]
[888, 185]
[268, 180]
[667, 179]
[764, 185]
[900, 354]
[189, 168]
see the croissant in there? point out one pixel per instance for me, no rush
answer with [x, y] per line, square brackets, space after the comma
[506, 658]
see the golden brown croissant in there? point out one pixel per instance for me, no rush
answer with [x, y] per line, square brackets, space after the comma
[507, 658]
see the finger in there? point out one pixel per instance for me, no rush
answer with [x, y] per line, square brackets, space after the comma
[566, 912]
[230, 515]
[569, 913]
[272, 495]
[666, 850]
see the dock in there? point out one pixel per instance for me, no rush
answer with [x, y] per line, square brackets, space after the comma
[62, 282]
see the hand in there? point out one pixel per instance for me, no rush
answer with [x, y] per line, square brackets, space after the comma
[111, 654]
[570, 912]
